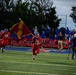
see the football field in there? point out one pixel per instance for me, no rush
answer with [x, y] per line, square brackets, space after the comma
[14, 62]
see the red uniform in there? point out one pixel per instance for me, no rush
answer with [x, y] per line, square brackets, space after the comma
[36, 42]
[1, 42]
[4, 39]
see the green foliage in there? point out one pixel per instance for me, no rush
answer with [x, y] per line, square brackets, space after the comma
[51, 18]
[33, 13]
[73, 14]
[6, 13]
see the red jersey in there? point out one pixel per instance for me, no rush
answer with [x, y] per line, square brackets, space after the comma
[5, 38]
[36, 41]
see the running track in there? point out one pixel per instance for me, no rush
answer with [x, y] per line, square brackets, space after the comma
[49, 50]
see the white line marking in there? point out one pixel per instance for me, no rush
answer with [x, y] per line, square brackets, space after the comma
[27, 72]
[38, 63]
[74, 73]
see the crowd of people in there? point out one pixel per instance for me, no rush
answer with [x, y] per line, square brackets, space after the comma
[53, 33]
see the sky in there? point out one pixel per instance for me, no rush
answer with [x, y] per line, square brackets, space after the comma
[63, 9]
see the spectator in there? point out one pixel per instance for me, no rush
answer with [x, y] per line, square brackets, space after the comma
[57, 31]
[36, 30]
[67, 36]
[43, 34]
[74, 47]
[67, 31]
[52, 33]
[51, 36]
[73, 32]
[60, 43]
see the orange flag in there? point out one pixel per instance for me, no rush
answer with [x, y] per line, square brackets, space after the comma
[20, 29]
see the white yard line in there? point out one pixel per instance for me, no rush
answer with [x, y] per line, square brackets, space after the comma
[74, 73]
[38, 63]
[27, 72]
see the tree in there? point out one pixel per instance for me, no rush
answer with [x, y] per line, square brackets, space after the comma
[32, 12]
[73, 14]
[51, 18]
[45, 14]
[5, 13]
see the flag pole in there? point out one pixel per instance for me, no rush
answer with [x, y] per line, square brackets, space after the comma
[44, 51]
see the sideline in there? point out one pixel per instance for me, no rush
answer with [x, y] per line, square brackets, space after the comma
[48, 50]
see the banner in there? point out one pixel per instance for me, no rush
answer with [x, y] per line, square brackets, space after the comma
[20, 29]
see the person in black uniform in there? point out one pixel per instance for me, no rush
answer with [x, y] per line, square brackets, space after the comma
[74, 47]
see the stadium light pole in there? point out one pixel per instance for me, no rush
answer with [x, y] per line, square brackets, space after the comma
[65, 22]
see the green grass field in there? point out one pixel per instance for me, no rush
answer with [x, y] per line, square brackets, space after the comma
[21, 63]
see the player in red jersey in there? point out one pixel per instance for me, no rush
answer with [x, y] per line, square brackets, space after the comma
[5, 36]
[36, 42]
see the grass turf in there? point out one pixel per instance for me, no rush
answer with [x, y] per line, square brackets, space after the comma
[21, 63]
